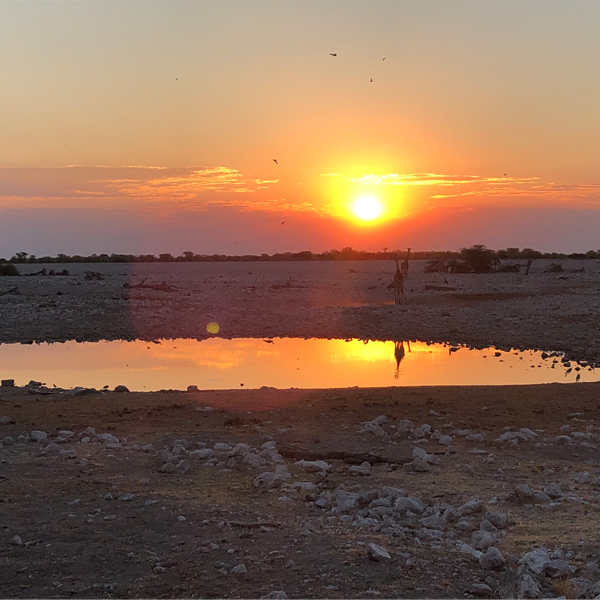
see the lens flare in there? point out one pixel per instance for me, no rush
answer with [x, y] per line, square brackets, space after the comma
[213, 327]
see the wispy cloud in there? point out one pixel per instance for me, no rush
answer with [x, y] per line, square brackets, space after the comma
[428, 179]
[74, 185]
[443, 187]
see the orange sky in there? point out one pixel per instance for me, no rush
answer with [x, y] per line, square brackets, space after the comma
[162, 113]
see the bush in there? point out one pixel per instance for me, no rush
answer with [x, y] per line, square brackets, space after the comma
[8, 270]
[555, 268]
[479, 259]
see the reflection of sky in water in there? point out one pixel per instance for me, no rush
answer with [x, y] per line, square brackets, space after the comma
[282, 362]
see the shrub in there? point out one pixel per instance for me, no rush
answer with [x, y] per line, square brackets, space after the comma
[479, 259]
[8, 270]
[555, 268]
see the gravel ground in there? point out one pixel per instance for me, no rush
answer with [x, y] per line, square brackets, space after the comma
[333, 300]
[486, 492]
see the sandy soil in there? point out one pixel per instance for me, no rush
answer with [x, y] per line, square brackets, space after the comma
[334, 300]
[73, 541]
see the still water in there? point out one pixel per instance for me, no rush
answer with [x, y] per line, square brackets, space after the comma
[218, 363]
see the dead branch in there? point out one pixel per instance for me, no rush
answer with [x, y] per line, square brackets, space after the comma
[159, 287]
[253, 524]
[352, 458]
[13, 290]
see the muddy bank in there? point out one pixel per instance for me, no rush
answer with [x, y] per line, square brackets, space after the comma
[544, 311]
[253, 493]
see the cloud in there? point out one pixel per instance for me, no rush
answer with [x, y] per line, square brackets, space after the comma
[79, 185]
[440, 188]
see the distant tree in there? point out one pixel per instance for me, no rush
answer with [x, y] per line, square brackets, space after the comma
[165, 257]
[19, 257]
[479, 259]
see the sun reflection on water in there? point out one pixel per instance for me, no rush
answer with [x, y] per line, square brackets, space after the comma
[218, 363]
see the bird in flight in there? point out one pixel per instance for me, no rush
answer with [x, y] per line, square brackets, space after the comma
[275, 161]
[371, 80]
[332, 54]
[282, 222]
[384, 58]
[505, 175]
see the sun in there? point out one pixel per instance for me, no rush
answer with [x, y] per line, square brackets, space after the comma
[367, 208]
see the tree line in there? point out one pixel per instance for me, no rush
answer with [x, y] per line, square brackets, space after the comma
[347, 253]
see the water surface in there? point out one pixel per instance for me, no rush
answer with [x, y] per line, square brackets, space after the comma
[218, 363]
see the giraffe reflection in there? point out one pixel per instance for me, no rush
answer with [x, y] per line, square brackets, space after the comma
[399, 353]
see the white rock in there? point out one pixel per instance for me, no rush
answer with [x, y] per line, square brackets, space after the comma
[5, 420]
[202, 453]
[473, 505]
[378, 553]
[254, 460]
[419, 452]
[345, 501]
[240, 449]
[38, 436]
[239, 569]
[313, 465]
[126, 497]
[482, 540]
[492, 559]
[536, 559]
[183, 466]
[303, 486]
[420, 466]
[475, 554]
[221, 446]
[362, 469]
[268, 481]
[67, 453]
[445, 440]
[372, 428]
[16, 540]
[51, 448]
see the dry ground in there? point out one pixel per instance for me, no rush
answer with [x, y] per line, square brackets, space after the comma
[70, 548]
[333, 300]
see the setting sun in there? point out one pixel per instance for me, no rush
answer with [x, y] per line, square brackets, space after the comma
[367, 208]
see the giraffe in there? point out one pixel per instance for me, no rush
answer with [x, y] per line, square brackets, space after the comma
[398, 355]
[404, 266]
[398, 283]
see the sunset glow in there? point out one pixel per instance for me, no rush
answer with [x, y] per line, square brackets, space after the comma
[367, 208]
[209, 140]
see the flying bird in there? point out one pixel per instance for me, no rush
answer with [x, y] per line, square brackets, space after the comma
[275, 161]
[505, 175]
[384, 58]
[282, 222]
[446, 281]
[332, 54]
[371, 80]
[578, 377]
